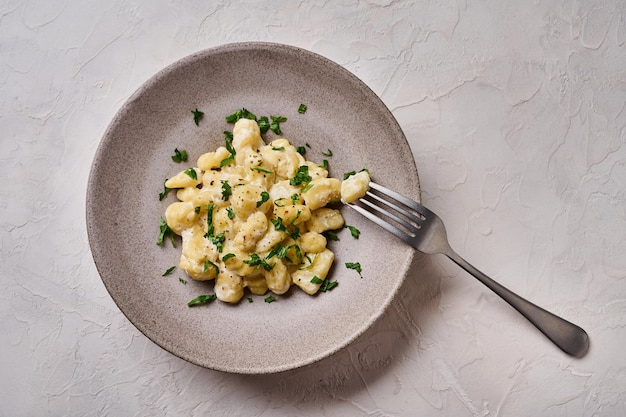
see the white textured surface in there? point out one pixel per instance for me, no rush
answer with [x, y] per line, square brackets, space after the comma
[516, 115]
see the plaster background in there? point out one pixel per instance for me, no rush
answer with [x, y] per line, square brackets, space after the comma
[516, 117]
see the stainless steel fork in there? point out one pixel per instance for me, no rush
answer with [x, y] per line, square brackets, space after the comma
[424, 230]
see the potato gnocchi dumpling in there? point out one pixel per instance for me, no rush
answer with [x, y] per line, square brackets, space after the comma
[251, 215]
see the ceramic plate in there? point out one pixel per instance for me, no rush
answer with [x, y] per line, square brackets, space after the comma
[133, 159]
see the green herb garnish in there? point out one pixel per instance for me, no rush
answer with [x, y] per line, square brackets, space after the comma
[302, 108]
[202, 299]
[240, 114]
[328, 285]
[301, 150]
[328, 152]
[258, 262]
[197, 115]
[354, 265]
[226, 190]
[264, 197]
[218, 241]
[316, 280]
[192, 173]
[165, 231]
[227, 257]
[209, 220]
[295, 198]
[169, 271]
[347, 175]
[307, 188]
[165, 191]
[179, 156]
[231, 213]
[182, 281]
[280, 148]
[275, 125]
[250, 299]
[264, 124]
[280, 252]
[197, 209]
[353, 231]
[278, 225]
[297, 217]
[264, 171]
[270, 299]
[324, 164]
[331, 235]
[302, 176]
[229, 147]
[207, 263]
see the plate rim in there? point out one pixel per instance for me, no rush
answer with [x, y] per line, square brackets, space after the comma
[94, 244]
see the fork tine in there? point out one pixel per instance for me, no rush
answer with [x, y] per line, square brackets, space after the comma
[385, 225]
[415, 220]
[411, 223]
[399, 197]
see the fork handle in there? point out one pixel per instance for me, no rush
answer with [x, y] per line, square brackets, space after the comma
[569, 337]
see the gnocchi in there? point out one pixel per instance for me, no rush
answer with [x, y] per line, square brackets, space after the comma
[251, 215]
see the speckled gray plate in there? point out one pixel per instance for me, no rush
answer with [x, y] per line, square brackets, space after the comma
[133, 159]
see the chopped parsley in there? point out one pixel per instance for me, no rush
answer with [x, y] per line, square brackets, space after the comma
[258, 169]
[324, 164]
[240, 114]
[182, 281]
[258, 262]
[165, 191]
[302, 176]
[331, 235]
[192, 173]
[298, 214]
[328, 285]
[280, 148]
[302, 108]
[264, 197]
[280, 252]
[227, 257]
[209, 220]
[179, 156]
[301, 150]
[165, 231]
[351, 173]
[226, 190]
[197, 115]
[270, 299]
[353, 231]
[316, 280]
[231, 213]
[218, 241]
[264, 124]
[229, 147]
[354, 265]
[295, 198]
[250, 299]
[207, 263]
[202, 299]
[275, 125]
[347, 175]
[307, 188]
[328, 152]
[169, 271]
[278, 225]
[197, 209]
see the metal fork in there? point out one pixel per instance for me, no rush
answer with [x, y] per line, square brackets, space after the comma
[424, 230]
